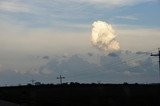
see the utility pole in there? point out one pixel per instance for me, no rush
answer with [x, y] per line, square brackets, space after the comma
[32, 81]
[60, 78]
[157, 55]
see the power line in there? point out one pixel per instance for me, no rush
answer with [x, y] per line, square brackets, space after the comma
[99, 72]
[111, 66]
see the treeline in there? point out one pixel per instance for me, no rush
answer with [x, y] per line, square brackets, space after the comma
[83, 94]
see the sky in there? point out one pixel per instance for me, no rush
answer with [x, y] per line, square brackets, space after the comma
[38, 37]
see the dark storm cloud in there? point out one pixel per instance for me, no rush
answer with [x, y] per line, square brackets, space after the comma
[140, 52]
[45, 57]
[90, 54]
[112, 54]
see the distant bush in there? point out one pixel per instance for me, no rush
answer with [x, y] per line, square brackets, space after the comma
[37, 83]
[74, 83]
[125, 83]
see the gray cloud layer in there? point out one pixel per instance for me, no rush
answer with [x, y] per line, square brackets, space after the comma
[110, 69]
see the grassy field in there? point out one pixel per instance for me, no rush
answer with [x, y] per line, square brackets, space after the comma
[83, 95]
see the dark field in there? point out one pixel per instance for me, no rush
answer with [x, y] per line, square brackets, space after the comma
[83, 95]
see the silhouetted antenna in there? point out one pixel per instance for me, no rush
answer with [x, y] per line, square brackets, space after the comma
[159, 59]
[61, 78]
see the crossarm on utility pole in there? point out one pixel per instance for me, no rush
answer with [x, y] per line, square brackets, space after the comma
[154, 54]
[60, 78]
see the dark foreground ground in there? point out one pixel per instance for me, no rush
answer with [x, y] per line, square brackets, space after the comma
[5, 103]
[83, 95]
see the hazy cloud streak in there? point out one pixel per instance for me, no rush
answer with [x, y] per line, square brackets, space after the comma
[128, 17]
[14, 6]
